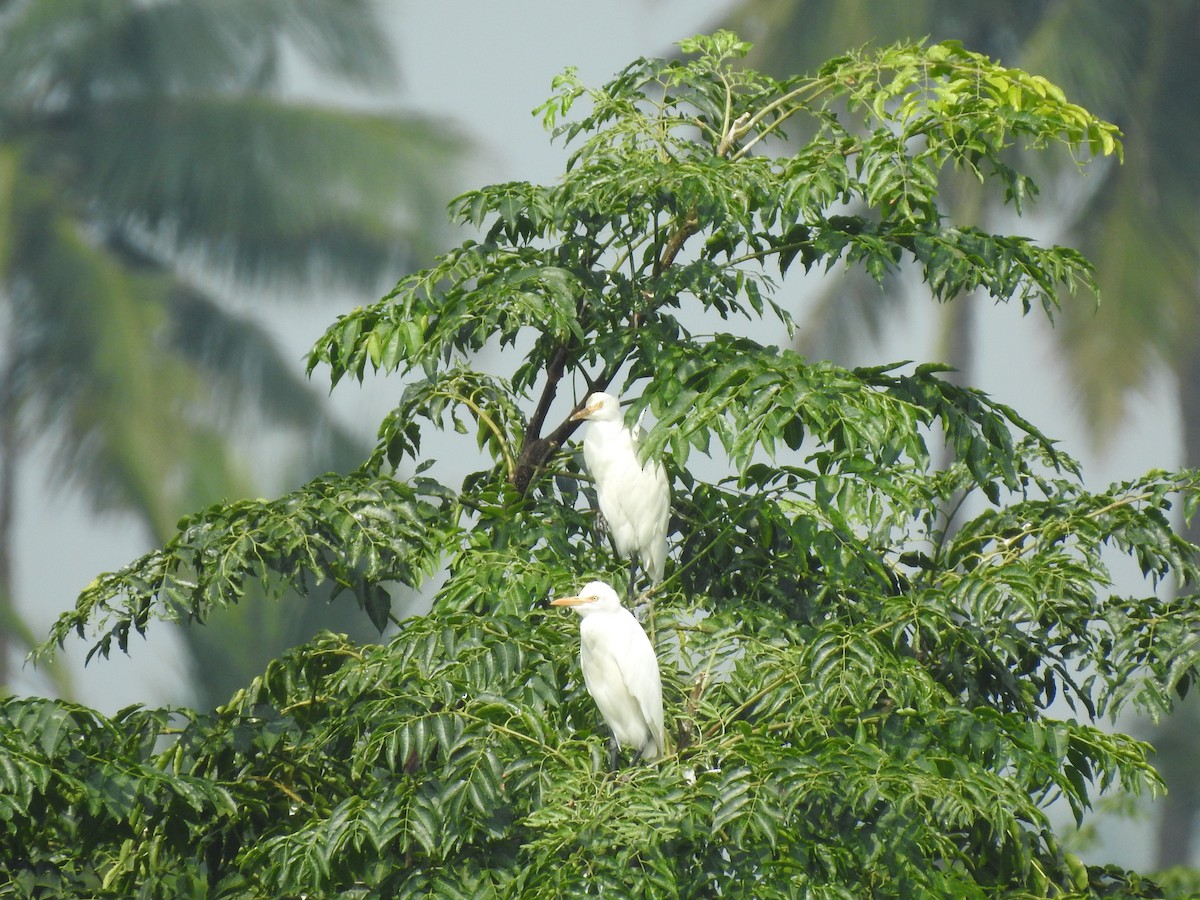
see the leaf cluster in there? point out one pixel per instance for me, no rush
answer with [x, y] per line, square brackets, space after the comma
[358, 531]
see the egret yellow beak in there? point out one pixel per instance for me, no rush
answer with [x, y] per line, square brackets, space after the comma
[571, 601]
[585, 412]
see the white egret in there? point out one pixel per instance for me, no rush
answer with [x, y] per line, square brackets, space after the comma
[620, 671]
[634, 499]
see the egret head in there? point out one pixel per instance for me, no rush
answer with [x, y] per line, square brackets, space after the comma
[601, 407]
[596, 596]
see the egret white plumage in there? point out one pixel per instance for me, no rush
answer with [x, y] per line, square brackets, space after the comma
[620, 671]
[634, 499]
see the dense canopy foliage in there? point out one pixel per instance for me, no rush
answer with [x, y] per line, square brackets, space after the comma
[860, 650]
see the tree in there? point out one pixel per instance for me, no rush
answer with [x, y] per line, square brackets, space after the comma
[858, 701]
[1134, 63]
[137, 139]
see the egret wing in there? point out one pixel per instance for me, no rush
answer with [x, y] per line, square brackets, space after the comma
[620, 671]
[639, 670]
[656, 507]
[648, 694]
[653, 532]
[641, 515]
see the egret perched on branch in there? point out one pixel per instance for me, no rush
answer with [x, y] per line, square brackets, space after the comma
[620, 671]
[634, 499]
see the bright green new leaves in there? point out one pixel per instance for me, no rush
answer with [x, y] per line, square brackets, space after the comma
[880, 580]
[672, 149]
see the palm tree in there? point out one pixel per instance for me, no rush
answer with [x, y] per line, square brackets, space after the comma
[1136, 63]
[141, 142]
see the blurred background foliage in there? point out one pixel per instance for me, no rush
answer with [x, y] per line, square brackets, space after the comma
[147, 153]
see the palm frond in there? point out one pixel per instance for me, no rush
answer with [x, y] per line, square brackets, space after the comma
[249, 376]
[73, 52]
[95, 372]
[271, 191]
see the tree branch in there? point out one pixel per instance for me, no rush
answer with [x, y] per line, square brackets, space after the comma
[691, 224]
[535, 449]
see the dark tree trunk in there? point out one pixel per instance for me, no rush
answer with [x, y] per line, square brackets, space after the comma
[1176, 737]
[9, 447]
[1175, 741]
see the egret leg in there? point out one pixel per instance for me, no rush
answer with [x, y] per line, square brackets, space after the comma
[600, 526]
[612, 753]
[633, 573]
